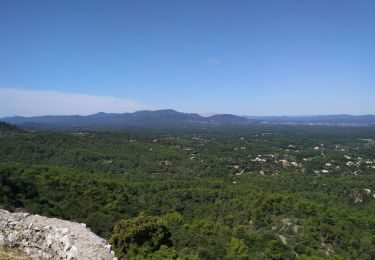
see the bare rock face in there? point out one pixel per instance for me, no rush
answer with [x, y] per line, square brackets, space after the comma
[51, 238]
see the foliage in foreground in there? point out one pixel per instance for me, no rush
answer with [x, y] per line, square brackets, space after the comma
[139, 236]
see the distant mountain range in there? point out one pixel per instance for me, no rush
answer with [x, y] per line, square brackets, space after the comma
[144, 118]
[171, 118]
[318, 119]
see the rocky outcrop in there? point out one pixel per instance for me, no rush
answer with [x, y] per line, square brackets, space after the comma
[51, 238]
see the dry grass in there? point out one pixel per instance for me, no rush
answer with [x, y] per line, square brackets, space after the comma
[11, 254]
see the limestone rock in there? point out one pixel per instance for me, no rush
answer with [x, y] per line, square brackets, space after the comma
[51, 238]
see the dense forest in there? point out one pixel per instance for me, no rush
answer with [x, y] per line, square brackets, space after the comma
[250, 192]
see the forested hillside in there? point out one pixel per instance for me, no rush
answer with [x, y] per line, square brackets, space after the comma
[272, 192]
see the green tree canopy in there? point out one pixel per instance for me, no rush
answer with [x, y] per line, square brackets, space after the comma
[141, 235]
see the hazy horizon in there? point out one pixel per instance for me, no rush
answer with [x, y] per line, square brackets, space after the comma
[256, 58]
[203, 114]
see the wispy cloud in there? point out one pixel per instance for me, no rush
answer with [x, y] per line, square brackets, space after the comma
[212, 61]
[31, 103]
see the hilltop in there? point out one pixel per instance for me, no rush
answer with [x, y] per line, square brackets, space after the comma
[120, 121]
[172, 119]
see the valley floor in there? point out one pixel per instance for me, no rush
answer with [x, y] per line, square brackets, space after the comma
[281, 192]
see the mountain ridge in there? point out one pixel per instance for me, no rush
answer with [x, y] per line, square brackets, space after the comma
[143, 118]
[172, 118]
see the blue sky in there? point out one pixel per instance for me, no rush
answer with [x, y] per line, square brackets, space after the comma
[266, 57]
